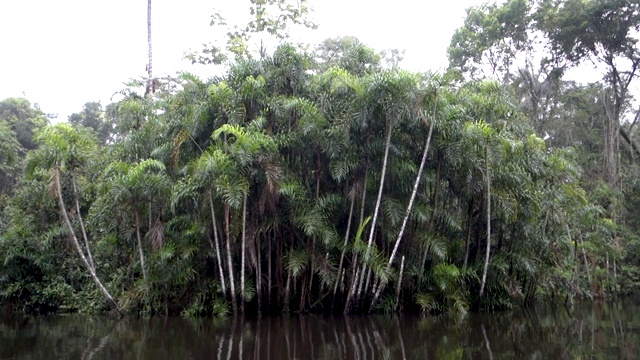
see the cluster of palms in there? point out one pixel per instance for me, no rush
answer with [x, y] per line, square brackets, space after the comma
[293, 185]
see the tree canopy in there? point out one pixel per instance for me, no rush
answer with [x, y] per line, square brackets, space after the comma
[325, 181]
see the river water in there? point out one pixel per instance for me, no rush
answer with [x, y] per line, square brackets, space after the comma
[588, 331]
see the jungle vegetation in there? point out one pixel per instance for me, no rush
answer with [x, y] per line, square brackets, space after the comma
[329, 180]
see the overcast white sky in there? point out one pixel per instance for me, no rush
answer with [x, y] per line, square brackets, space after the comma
[63, 53]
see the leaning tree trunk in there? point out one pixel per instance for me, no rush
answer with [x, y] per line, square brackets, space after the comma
[82, 227]
[412, 199]
[488, 251]
[67, 222]
[217, 244]
[378, 201]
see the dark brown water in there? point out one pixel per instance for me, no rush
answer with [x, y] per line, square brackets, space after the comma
[588, 331]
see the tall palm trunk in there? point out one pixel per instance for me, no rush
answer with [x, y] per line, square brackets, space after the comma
[432, 217]
[486, 258]
[354, 258]
[364, 191]
[313, 239]
[270, 255]
[399, 286]
[217, 243]
[344, 249]
[259, 275]
[611, 141]
[140, 250]
[243, 248]
[415, 185]
[86, 263]
[387, 145]
[412, 199]
[150, 83]
[364, 284]
[468, 241]
[82, 227]
[352, 290]
[287, 291]
[227, 231]
[378, 201]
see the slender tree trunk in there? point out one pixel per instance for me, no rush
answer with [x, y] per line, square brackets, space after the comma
[311, 271]
[611, 125]
[488, 251]
[344, 249]
[91, 270]
[352, 290]
[364, 191]
[586, 262]
[466, 245]
[399, 287]
[82, 227]
[353, 280]
[364, 285]
[415, 186]
[313, 239]
[166, 301]
[243, 249]
[575, 254]
[380, 189]
[287, 291]
[433, 214]
[259, 275]
[377, 283]
[303, 295]
[214, 223]
[379, 198]
[608, 287]
[151, 88]
[140, 249]
[412, 199]
[354, 258]
[229, 261]
[269, 281]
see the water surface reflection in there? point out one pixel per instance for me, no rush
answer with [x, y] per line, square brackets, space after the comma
[603, 331]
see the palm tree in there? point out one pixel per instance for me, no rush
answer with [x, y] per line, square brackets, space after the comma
[245, 147]
[415, 186]
[386, 97]
[134, 187]
[63, 148]
[488, 202]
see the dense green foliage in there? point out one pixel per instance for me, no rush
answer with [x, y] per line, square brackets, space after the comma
[318, 182]
[18, 123]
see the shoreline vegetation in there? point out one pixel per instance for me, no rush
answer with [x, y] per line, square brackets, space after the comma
[326, 182]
